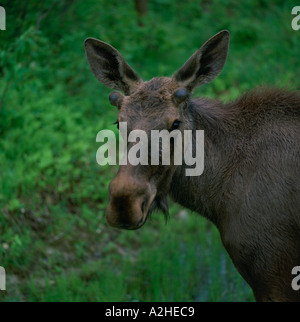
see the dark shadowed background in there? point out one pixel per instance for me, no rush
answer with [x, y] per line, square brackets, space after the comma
[54, 241]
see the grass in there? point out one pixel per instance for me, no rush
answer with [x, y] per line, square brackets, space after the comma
[55, 243]
[154, 264]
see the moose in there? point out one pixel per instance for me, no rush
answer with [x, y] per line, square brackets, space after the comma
[250, 187]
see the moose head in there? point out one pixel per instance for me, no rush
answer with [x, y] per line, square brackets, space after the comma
[158, 104]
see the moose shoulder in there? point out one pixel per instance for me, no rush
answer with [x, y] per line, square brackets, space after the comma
[250, 188]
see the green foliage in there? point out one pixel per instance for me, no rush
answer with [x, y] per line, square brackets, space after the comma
[54, 240]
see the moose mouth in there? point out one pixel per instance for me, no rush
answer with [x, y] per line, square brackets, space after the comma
[141, 223]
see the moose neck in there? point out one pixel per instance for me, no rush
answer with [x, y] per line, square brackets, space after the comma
[203, 194]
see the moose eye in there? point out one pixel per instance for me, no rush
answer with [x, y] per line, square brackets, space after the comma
[175, 125]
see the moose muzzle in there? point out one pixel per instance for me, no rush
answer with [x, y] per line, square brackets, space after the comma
[130, 201]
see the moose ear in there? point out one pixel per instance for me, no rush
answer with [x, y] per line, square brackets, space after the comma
[109, 67]
[206, 64]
